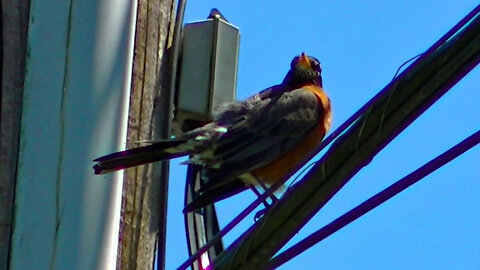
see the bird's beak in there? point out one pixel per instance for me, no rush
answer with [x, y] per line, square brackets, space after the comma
[304, 61]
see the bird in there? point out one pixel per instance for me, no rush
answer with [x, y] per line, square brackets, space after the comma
[254, 142]
[215, 13]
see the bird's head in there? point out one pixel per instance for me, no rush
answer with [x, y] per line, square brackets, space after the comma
[304, 70]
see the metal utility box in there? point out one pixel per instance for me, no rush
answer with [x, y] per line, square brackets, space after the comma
[208, 71]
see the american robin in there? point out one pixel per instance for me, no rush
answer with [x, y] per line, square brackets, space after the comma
[251, 142]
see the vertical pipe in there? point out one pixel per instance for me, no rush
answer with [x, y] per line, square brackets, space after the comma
[75, 107]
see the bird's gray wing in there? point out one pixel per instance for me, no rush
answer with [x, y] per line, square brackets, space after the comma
[261, 133]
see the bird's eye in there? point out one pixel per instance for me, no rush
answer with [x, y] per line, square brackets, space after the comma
[316, 65]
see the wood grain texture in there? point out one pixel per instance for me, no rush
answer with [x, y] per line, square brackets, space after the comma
[14, 43]
[141, 193]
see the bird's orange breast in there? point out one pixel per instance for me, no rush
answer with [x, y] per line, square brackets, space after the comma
[277, 169]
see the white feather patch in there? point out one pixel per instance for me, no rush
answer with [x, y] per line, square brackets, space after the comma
[221, 129]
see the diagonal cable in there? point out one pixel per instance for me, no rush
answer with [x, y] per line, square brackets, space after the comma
[400, 103]
[375, 201]
[348, 123]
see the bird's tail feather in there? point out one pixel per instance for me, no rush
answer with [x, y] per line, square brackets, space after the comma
[161, 150]
[216, 194]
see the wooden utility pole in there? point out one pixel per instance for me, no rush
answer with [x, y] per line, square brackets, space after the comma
[151, 80]
[14, 27]
[143, 215]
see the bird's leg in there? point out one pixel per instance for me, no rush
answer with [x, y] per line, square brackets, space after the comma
[261, 212]
[254, 189]
[274, 199]
[265, 203]
[265, 188]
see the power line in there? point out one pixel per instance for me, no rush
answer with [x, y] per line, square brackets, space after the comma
[351, 121]
[399, 104]
[376, 200]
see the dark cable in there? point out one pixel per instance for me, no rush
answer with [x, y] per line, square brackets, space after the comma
[325, 142]
[406, 62]
[375, 201]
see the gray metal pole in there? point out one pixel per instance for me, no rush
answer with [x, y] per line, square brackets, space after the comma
[74, 108]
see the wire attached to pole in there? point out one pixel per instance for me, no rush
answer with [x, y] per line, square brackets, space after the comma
[351, 120]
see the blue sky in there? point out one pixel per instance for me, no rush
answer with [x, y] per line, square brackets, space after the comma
[432, 225]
